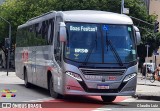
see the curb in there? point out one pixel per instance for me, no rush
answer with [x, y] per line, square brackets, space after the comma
[5, 70]
[147, 97]
[148, 84]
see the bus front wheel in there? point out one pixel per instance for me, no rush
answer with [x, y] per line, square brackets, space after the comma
[51, 89]
[108, 98]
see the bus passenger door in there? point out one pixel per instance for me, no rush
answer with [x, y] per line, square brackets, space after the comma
[58, 75]
[34, 76]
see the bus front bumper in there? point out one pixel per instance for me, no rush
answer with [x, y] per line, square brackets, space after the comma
[74, 87]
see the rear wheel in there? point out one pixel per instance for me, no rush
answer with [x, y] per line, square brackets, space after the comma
[26, 83]
[51, 89]
[108, 98]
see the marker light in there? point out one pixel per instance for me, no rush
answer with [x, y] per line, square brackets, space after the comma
[128, 77]
[75, 76]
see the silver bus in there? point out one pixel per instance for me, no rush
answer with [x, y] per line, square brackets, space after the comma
[80, 52]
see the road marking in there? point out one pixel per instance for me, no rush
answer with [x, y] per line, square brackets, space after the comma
[40, 100]
[129, 100]
[102, 109]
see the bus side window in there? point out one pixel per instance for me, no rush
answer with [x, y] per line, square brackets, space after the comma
[50, 31]
[19, 38]
[24, 38]
[44, 32]
[38, 31]
[31, 35]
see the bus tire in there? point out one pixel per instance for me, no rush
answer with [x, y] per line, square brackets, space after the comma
[108, 98]
[51, 89]
[26, 83]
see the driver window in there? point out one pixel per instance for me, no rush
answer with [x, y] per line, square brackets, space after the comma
[58, 45]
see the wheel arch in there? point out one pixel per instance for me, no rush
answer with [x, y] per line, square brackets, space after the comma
[24, 69]
[49, 75]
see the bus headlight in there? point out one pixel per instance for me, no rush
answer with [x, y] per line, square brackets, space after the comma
[75, 76]
[128, 77]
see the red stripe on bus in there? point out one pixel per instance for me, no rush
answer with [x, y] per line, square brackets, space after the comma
[50, 68]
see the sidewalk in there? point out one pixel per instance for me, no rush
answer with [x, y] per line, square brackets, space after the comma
[146, 82]
[147, 90]
[10, 79]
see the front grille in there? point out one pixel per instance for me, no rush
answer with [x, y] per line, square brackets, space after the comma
[102, 91]
[112, 72]
[92, 90]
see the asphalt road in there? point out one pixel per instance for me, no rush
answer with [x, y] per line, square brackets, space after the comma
[69, 103]
[37, 94]
[23, 94]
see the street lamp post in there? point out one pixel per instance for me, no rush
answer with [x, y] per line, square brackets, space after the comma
[146, 63]
[122, 6]
[123, 9]
[8, 58]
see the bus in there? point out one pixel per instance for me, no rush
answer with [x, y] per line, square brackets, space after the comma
[79, 52]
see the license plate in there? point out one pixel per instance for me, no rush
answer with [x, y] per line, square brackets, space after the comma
[102, 86]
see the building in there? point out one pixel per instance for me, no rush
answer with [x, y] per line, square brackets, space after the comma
[1, 1]
[153, 7]
[147, 3]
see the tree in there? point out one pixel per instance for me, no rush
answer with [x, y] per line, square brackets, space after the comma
[19, 11]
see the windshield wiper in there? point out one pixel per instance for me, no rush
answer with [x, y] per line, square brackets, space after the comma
[115, 52]
[90, 50]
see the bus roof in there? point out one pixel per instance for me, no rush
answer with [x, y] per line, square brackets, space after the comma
[88, 16]
[93, 16]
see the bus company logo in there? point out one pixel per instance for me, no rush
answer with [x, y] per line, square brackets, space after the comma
[7, 93]
[25, 55]
[112, 78]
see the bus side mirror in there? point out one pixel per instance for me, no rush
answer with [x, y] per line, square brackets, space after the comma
[138, 35]
[63, 34]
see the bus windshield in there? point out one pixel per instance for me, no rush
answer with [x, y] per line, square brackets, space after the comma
[100, 43]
